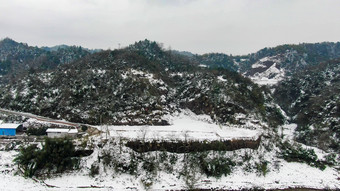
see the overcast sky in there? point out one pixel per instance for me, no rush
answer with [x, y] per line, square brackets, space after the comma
[199, 26]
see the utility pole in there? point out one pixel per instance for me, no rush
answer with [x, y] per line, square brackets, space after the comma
[101, 125]
[107, 130]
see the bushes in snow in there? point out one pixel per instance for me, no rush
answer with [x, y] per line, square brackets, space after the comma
[262, 167]
[216, 167]
[94, 170]
[37, 131]
[56, 156]
[192, 146]
[298, 154]
[190, 166]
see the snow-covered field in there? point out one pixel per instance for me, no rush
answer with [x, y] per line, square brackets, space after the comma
[184, 126]
[281, 174]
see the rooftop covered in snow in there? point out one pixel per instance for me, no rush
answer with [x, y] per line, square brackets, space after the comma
[9, 126]
[59, 130]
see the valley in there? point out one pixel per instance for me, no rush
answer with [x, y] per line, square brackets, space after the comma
[157, 119]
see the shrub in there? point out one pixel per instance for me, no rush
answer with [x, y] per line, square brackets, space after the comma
[173, 159]
[27, 159]
[149, 166]
[216, 167]
[107, 158]
[190, 175]
[130, 167]
[331, 159]
[262, 167]
[147, 182]
[247, 157]
[248, 167]
[37, 131]
[94, 170]
[165, 159]
[299, 154]
[304, 134]
[84, 128]
[57, 155]
[163, 156]
[133, 166]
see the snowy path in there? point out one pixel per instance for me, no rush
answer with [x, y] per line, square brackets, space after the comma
[40, 118]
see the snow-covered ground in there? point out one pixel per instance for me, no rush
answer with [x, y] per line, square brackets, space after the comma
[184, 126]
[288, 131]
[288, 175]
[8, 179]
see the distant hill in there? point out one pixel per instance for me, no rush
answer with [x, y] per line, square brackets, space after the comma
[63, 46]
[218, 60]
[271, 65]
[20, 59]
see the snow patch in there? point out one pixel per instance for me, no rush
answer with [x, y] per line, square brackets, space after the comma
[148, 76]
[177, 74]
[184, 126]
[271, 76]
[258, 65]
[220, 78]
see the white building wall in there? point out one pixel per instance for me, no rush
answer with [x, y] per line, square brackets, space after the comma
[56, 135]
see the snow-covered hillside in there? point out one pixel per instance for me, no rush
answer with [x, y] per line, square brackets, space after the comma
[311, 99]
[133, 86]
[267, 71]
[271, 65]
[154, 119]
[121, 168]
[289, 175]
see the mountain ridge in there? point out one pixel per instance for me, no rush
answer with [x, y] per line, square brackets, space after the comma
[155, 118]
[142, 83]
[150, 82]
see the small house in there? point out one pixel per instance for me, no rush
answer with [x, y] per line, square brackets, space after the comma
[58, 133]
[8, 129]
